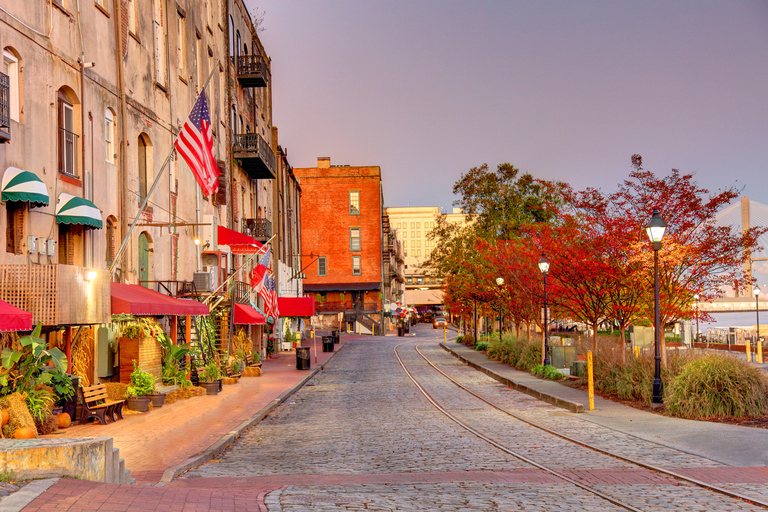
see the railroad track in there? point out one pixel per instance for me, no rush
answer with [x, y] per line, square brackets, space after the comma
[477, 431]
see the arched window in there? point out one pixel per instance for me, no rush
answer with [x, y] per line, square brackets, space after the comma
[145, 165]
[109, 135]
[12, 68]
[233, 120]
[237, 46]
[231, 38]
[111, 239]
[145, 259]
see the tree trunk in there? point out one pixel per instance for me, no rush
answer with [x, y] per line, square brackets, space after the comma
[623, 342]
[594, 338]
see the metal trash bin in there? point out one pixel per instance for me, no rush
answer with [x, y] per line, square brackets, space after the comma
[302, 358]
[400, 330]
[335, 335]
[327, 343]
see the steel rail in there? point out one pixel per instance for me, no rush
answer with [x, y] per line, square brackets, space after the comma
[651, 467]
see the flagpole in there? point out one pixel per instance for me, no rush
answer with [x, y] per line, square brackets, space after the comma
[152, 189]
[233, 274]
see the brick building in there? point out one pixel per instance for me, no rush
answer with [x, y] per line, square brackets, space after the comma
[343, 230]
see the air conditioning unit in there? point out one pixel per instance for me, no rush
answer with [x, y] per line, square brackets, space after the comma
[203, 281]
[210, 260]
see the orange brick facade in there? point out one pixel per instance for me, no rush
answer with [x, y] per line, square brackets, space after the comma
[326, 229]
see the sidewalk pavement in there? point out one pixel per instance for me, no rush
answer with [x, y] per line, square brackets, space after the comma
[729, 444]
[159, 445]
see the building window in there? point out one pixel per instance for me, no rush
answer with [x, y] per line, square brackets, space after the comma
[354, 202]
[321, 269]
[133, 25]
[161, 43]
[145, 166]
[413, 234]
[67, 143]
[109, 134]
[413, 225]
[12, 69]
[354, 239]
[70, 244]
[418, 225]
[181, 47]
[14, 226]
[356, 270]
[102, 4]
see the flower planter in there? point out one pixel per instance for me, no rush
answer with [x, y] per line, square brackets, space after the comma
[211, 388]
[139, 404]
[157, 400]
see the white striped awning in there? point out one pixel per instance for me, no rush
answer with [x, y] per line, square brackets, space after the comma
[77, 210]
[19, 185]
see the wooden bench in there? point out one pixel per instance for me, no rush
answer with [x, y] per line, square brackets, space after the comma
[230, 373]
[97, 405]
[249, 361]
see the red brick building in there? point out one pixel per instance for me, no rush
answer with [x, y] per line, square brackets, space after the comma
[342, 228]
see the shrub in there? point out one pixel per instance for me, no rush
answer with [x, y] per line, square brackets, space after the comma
[718, 386]
[530, 356]
[507, 351]
[547, 371]
[142, 383]
[459, 339]
[481, 345]
[468, 339]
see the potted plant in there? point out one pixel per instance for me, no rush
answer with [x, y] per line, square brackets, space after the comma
[210, 379]
[135, 402]
[142, 388]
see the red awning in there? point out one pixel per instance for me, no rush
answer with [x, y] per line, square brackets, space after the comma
[296, 306]
[247, 315]
[133, 299]
[13, 318]
[239, 243]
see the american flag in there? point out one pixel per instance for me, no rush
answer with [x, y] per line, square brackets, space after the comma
[259, 272]
[269, 294]
[195, 144]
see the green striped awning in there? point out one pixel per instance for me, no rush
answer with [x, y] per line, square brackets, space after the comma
[77, 210]
[21, 185]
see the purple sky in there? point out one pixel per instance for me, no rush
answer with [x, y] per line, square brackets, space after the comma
[565, 90]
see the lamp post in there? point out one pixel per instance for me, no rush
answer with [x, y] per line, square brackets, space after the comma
[655, 230]
[757, 312]
[544, 267]
[696, 298]
[500, 283]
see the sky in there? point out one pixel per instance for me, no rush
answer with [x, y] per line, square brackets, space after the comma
[564, 90]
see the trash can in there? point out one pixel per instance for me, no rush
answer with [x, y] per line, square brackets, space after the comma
[302, 358]
[335, 335]
[70, 404]
[400, 330]
[327, 343]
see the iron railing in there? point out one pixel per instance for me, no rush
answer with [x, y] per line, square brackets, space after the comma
[253, 142]
[252, 65]
[5, 101]
[67, 152]
[257, 228]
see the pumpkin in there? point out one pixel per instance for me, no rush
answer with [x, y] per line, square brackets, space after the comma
[64, 420]
[24, 433]
[5, 417]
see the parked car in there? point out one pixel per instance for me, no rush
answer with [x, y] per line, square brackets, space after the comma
[439, 321]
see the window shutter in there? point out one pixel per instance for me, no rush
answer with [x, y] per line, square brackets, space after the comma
[221, 193]
[18, 225]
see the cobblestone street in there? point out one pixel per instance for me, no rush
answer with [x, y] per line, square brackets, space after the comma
[360, 436]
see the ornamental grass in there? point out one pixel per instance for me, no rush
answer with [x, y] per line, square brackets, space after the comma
[718, 386]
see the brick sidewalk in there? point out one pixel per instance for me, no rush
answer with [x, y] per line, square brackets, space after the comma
[152, 442]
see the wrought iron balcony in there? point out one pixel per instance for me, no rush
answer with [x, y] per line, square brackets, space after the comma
[252, 71]
[5, 108]
[255, 155]
[260, 229]
[68, 152]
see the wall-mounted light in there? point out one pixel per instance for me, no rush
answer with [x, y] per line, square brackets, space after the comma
[91, 275]
[197, 241]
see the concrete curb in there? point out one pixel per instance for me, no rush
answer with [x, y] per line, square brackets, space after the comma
[26, 495]
[545, 397]
[222, 444]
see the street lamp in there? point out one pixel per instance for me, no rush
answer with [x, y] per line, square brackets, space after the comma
[500, 283]
[696, 298]
[544, 267]
[655, 231]
[757, 311]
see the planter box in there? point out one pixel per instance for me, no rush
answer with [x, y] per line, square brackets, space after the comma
[211, 388]
[157, 400]
[139, 404]
[147, 354]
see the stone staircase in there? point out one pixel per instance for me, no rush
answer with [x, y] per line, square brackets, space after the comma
[115, 471]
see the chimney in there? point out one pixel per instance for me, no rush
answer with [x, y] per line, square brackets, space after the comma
[323, 162]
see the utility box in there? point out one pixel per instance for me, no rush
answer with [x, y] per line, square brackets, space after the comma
[562, 357]
[107, 346]
[640, 336]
